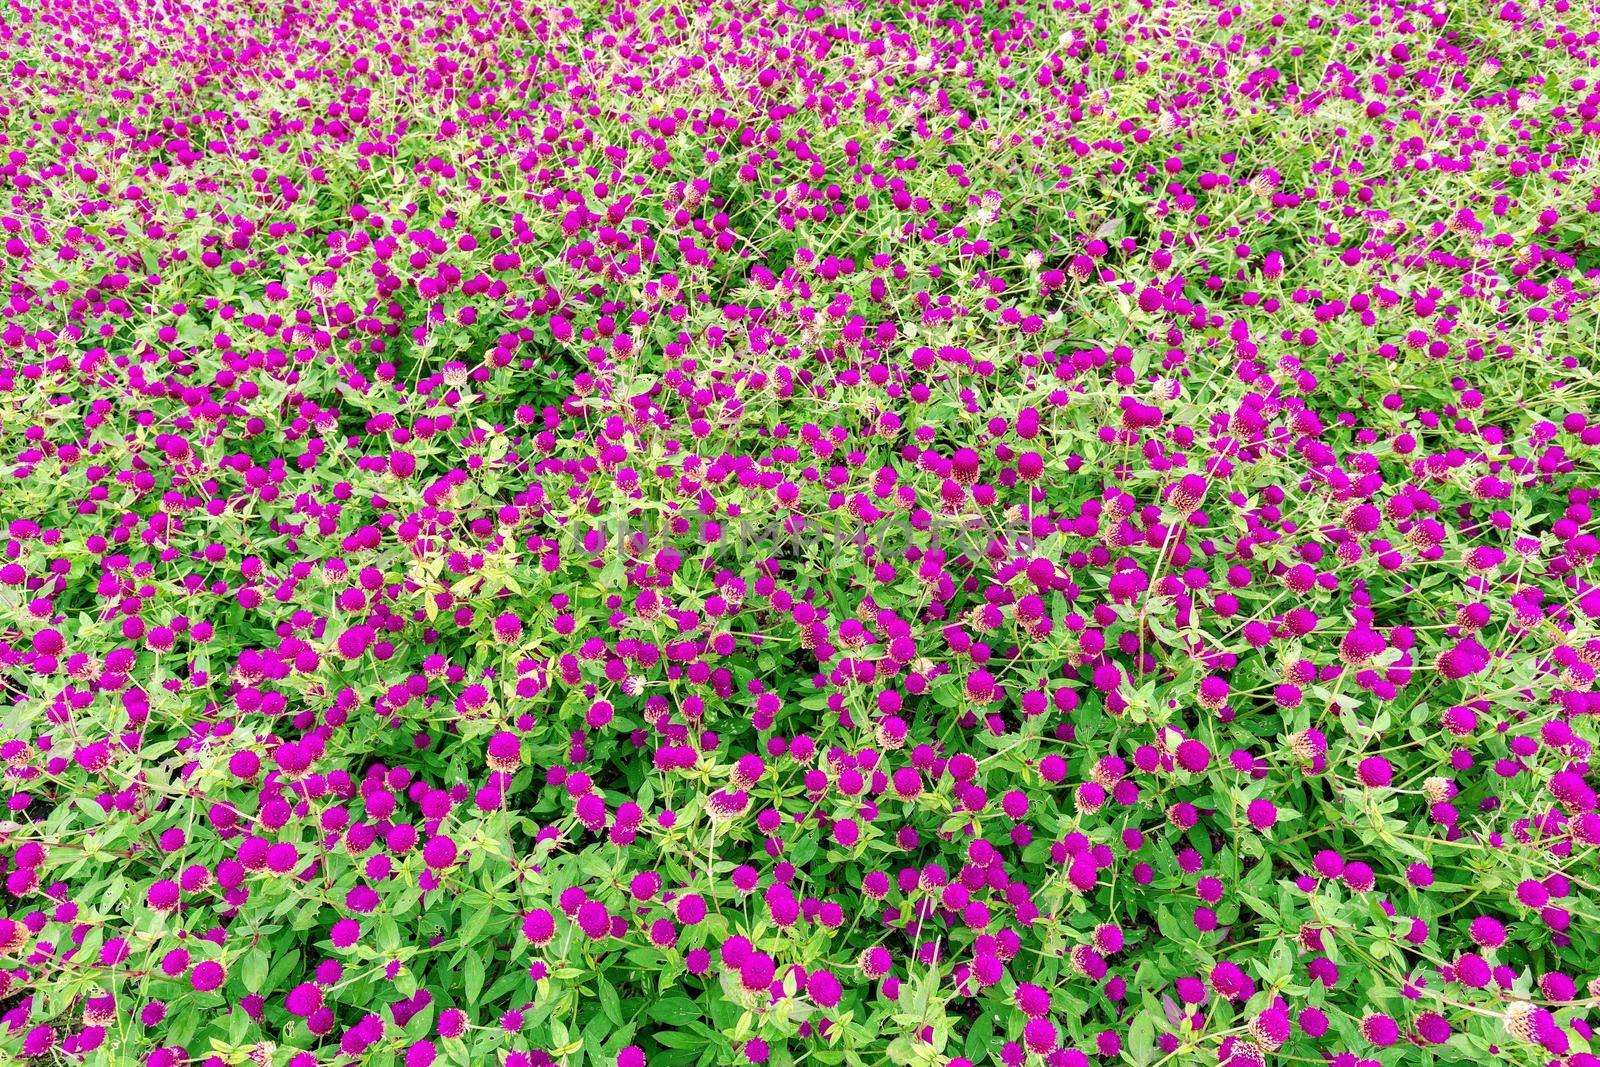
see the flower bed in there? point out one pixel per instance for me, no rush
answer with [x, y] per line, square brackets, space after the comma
[938, 534]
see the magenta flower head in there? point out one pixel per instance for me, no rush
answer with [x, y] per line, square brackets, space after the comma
[875, 962]
[304, 1000]
[1193, 755]
[824, 988]
[207, 976]
[1271, 1028]
[1033, 1000]
[505, 752]
[1261, 813]
[1487, 932]
[1213, 692]
[1328, 863]
[594, 920]
[354, 642]
[39, 1042]
[539, 927]
[1375, 772]
[1040, 1036]
[1109, 938]
[439, 853]
[1431, 1028]
[1379, 1029]
[1188, 493]
[1360, 647]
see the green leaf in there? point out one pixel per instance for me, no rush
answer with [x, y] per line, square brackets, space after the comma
[472, 976]
[675, 1011]
[1141, 1039]
[980, 1038]
[254, 970]
[610, 1003]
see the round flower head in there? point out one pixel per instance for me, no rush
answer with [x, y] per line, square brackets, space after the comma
[505, 752]
[39, 1042]
[1375, 772]
[594, 920]
[1270, 1028]
[1328, 863]
[1432, 1028]
[99, 1010]
[1033, 1000]
[1360, 647]
[1379, 1029]
[1522, 1021]
[507, 629]
[824, 989]
[1262, 814]
[1487, 932]
[1234, 1052]
[207, 976]
[875, 962]
[1188, 494]
[304, 1000]
[1213, 692]
[1039, 1035]
[439, 853]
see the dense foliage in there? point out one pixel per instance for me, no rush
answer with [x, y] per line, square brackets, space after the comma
[895, 531]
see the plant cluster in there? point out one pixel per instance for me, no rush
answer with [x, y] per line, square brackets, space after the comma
[930, 532]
